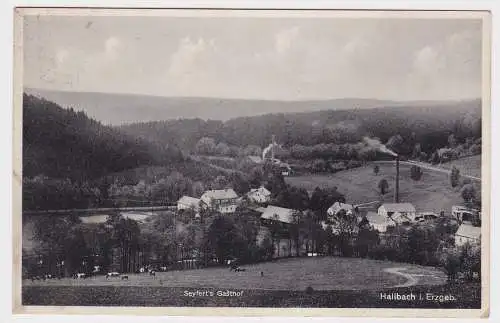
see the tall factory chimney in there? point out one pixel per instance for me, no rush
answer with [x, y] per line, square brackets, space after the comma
[396, 195]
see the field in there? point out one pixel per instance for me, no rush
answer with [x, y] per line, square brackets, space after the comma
[359, 185]
[467, 165]
[286, 277]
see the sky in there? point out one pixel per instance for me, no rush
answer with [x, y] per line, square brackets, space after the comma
[271, 58]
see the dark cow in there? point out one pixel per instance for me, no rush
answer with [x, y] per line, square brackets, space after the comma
[152, 273]
[124, 277]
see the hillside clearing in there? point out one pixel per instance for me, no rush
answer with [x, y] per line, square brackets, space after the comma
[360, 185]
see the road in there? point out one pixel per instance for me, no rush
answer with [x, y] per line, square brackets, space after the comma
[427, 166]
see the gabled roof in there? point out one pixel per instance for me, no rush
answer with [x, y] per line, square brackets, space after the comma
[337, 206]
[469, 231]
[374, 218]
[399, 207]
[221, 194]
[262, 190]
[188, 200]
[278, 213]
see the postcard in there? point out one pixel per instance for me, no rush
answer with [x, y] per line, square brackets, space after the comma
[251, 162]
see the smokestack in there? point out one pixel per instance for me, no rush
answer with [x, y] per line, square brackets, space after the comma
[396, 195]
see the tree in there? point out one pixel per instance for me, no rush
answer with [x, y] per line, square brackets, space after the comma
[366, 240]
[222, 149]
[126, 234]
[346, 226]
[223, 238]
[452, 141]
[319, 165]
[434, 158]
[376, 169]
[469, 194]
[454, 176]
[470, 259]
[450, 260]
[206, 146]
[239, 183]
[415, 172]
[417, 151]
[383, 186]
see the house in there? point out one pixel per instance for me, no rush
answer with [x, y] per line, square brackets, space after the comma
[398, 212]
[223, 201]
[188, 203]
[378, 222]
[338, 206]
[464, 214]
[259, 195]
[255, 159]
[285, 169]
[467, 233]
[276, 213]
[426, 217]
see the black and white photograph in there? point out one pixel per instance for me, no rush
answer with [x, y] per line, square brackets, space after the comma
[277, 159]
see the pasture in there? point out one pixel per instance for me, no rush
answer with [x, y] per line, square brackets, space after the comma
[336, 282]
[468, 165]
[294, 274]
[360, 185]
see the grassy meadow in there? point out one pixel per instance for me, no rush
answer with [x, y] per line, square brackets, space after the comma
[360, 185]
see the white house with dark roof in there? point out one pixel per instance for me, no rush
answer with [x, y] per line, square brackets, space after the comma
[259, 195]
[338, 206]
[276, 213]
[467, 233]
[378, 222]
[188, 203]
[398, 212]
[224, 201]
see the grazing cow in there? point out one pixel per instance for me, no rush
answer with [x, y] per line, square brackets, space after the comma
[152, 273]
[124, 277]
[80, 275]
[261, 274]
[112, 274]
[234, 267]
[240, 269]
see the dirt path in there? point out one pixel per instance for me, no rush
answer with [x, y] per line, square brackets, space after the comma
[411, 279]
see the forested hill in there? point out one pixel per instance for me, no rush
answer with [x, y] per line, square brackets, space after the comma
[119, 108]
[63, 143]
[428, 124]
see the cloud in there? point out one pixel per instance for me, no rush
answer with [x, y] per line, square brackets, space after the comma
[450, 68]
[188, 56]
[427, 61]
